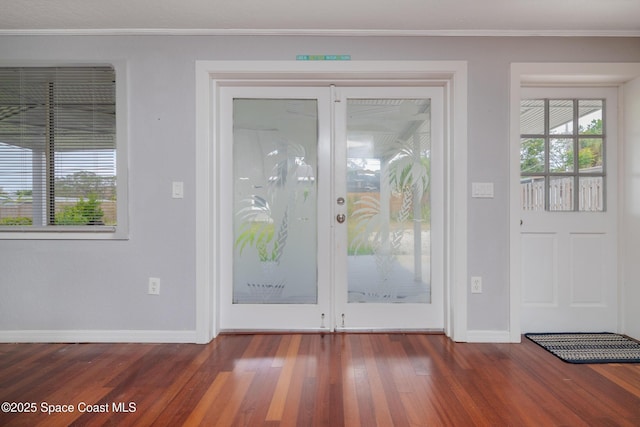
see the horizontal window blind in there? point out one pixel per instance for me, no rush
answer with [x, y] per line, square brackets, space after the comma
[57, 146]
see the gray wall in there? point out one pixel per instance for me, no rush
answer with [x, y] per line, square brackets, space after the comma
[79, 285]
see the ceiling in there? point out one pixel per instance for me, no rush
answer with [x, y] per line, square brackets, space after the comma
[333, 17]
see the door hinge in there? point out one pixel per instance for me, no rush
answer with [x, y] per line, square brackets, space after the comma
[334, 94]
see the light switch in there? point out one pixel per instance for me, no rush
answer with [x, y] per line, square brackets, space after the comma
[482, 190]
[177, 190]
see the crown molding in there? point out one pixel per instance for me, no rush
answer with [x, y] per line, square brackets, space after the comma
[314, 32]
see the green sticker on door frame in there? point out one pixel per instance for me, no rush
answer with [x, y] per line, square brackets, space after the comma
[323, 57]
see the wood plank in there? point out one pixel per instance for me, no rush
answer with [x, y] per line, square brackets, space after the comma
[219, 359]
[350, 394]
[226, 409]
[379, 394]
[204, 404]
[255, 404]
[282, 388]
[293, 408]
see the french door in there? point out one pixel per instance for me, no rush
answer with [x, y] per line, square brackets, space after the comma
[333, 200]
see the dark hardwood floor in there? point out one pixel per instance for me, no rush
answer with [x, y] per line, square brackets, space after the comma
[307, 380]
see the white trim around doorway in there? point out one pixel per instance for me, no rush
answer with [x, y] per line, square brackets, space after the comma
[451, 75]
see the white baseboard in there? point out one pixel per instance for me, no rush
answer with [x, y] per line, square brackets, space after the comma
[490, 337]
[129, 336]
[97, 336]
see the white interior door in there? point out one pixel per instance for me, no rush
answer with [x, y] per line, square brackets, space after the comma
[569, 210]
[288, 263]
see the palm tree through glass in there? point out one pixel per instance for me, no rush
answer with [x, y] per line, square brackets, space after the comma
[388, 200]
[275, 208]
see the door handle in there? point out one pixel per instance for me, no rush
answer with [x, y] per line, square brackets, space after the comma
[341, 218]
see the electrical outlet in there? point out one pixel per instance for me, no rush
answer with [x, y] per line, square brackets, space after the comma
[154, 286]
[476, 285]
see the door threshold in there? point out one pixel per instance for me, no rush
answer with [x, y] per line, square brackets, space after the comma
[389, 330]
[330, 331]
[275, 331]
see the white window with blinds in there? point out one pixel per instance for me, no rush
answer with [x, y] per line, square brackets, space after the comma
[59, 151]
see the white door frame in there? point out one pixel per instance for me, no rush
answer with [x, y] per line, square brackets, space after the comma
[560, 74]
[451, 75]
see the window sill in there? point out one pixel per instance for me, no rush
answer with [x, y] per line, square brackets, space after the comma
[62, 233]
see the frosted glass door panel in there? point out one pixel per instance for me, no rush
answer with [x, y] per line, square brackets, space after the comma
[275, 146]
[388, 200]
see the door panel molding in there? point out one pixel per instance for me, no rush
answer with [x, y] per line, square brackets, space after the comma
[540, 285]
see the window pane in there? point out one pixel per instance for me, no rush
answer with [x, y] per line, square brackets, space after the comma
[389, 206]
[85, 187]
[57, 146]
[84, 146]
[591, 193]
[532, 117]
[563, 167]
[532, 193]
[16, 185]
[532, 155]
[561, 117]
[590, 113]
[561, 193]
[590, 155]
[561, 155]
[275, 201]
